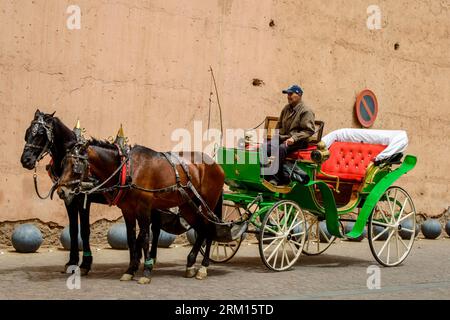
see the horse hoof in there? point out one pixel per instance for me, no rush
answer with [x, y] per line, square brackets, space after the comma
[190, 272]
[201, 273]
[144, 280]
[126, 277]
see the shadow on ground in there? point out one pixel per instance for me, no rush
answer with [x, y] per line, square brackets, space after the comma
[255, 264]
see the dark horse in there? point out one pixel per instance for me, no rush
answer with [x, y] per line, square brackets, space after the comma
[150, 189]
[47, 134]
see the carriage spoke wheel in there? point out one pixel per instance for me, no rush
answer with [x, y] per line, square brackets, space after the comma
[393, 209]
[317, 241]
[283, 235]
[223, 251]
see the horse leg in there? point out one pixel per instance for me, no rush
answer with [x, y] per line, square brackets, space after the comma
[86, 263]
[192, 217]
[191, 271]
[150, 261]
[138, 248]
[203, 271]
[214, 199]
[130, 222]
[72, 211]
[144, 231]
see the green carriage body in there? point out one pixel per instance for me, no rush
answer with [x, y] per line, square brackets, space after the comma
[352, 186]
[243, 176]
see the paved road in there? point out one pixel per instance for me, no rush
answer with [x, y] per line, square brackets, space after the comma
[340, 273]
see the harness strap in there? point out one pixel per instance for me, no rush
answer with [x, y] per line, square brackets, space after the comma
[199, 197]
[122, 178]
[123, 186]
[177, 175]
[209, 214]
[183, 165]
[161, 190]
[97, 189]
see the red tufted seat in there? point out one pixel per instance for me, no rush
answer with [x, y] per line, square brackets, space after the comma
[349, 160]
[302, 154]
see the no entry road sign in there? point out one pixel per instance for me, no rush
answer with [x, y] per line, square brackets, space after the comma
[366, 108]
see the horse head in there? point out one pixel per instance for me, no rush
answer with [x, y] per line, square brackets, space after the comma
[38, 139]
[84, 165]
[74, 171]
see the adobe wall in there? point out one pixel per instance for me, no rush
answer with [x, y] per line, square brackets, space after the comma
[145, 64]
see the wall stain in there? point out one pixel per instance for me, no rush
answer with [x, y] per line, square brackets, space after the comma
[225, 6]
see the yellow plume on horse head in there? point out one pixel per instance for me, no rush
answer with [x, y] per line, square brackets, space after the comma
[77, 129]
[121, 140]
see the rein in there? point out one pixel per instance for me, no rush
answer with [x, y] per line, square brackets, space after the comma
[97, 189]
[44, 151]
[36, 186]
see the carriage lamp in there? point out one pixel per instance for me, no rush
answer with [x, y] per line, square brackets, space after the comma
[321, 154]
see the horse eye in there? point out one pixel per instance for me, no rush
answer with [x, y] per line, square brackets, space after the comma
[33, 132]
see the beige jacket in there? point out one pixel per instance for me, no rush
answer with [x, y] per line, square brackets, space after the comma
[296, 122]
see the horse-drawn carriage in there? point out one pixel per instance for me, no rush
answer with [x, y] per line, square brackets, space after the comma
[347, 173]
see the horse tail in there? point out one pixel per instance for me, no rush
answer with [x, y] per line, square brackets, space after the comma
[218, 207]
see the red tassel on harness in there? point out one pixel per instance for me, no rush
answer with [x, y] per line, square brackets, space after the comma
[123, 180]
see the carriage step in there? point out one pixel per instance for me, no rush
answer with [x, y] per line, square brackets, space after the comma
[273, 188]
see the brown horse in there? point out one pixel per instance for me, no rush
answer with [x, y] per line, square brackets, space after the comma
[150, 188]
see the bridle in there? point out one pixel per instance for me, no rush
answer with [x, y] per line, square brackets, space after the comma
[44, 150]
[88, 184]
[49, 133]
[80, 166]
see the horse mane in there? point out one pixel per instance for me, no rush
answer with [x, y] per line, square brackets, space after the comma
[110, 146]
[102, 144]
[66, 130]
[147, 151]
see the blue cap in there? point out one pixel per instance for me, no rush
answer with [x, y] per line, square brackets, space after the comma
[294, 89]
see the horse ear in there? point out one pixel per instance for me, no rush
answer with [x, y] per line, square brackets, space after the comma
[53, 114]
[37, 113]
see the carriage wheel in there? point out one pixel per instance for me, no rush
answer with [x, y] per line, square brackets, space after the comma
[394, 208]
[317, 241]
[283, 235]
[223, 251]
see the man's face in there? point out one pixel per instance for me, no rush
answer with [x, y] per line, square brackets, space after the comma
[293, 98]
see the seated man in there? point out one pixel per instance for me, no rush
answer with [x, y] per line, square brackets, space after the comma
[295, 125]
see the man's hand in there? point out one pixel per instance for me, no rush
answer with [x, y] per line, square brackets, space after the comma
[289, 141]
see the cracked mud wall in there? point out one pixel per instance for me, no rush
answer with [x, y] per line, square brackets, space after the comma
[51, 232]
[145, 64]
